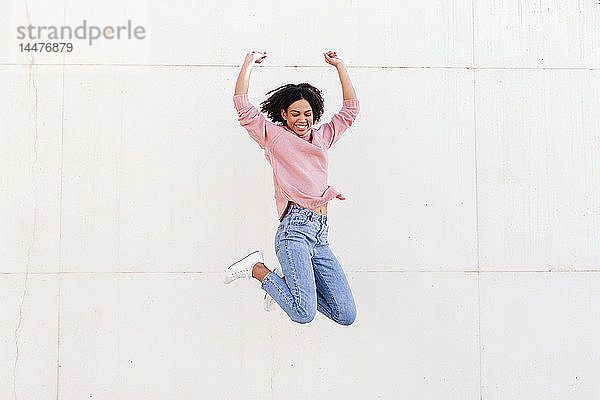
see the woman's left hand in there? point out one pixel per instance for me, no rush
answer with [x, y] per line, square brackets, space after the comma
[332, 58]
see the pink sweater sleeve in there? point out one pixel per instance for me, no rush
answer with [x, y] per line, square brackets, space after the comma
[332, 131]
[252, 120]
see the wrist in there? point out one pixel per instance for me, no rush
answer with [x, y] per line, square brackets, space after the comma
[247, 69]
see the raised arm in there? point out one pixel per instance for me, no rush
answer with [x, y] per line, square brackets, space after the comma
[347, 88]
[248, 115]
[332, 131]
[243, 80]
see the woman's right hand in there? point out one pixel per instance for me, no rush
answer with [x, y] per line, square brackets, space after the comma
[255, 57]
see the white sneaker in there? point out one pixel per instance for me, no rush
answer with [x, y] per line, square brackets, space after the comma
[268, 300]
[243, 268]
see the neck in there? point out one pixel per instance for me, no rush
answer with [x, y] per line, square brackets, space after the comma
[302, 135]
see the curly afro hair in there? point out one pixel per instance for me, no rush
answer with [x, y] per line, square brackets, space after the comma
[285, 95]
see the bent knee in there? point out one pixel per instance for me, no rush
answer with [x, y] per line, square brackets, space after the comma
[347, 317]
[303, 316]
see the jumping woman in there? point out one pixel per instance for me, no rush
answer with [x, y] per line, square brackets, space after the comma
[313, 279]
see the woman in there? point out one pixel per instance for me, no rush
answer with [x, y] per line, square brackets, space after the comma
[313, 278]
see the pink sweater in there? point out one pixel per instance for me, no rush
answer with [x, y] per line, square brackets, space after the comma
[299, 162]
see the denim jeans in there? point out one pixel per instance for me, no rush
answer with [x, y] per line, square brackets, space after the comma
[314, 279]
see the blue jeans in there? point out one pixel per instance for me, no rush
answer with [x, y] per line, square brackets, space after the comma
[314, 279]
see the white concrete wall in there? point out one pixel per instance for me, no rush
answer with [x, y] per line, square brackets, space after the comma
[471, 233]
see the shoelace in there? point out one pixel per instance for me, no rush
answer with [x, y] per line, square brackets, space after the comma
[242, 272]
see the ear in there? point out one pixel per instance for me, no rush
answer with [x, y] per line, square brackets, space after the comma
[283, 114]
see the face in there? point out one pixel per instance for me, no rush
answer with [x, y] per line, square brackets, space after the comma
[299, 116]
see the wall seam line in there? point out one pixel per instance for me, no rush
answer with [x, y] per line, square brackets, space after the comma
[479, 342]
